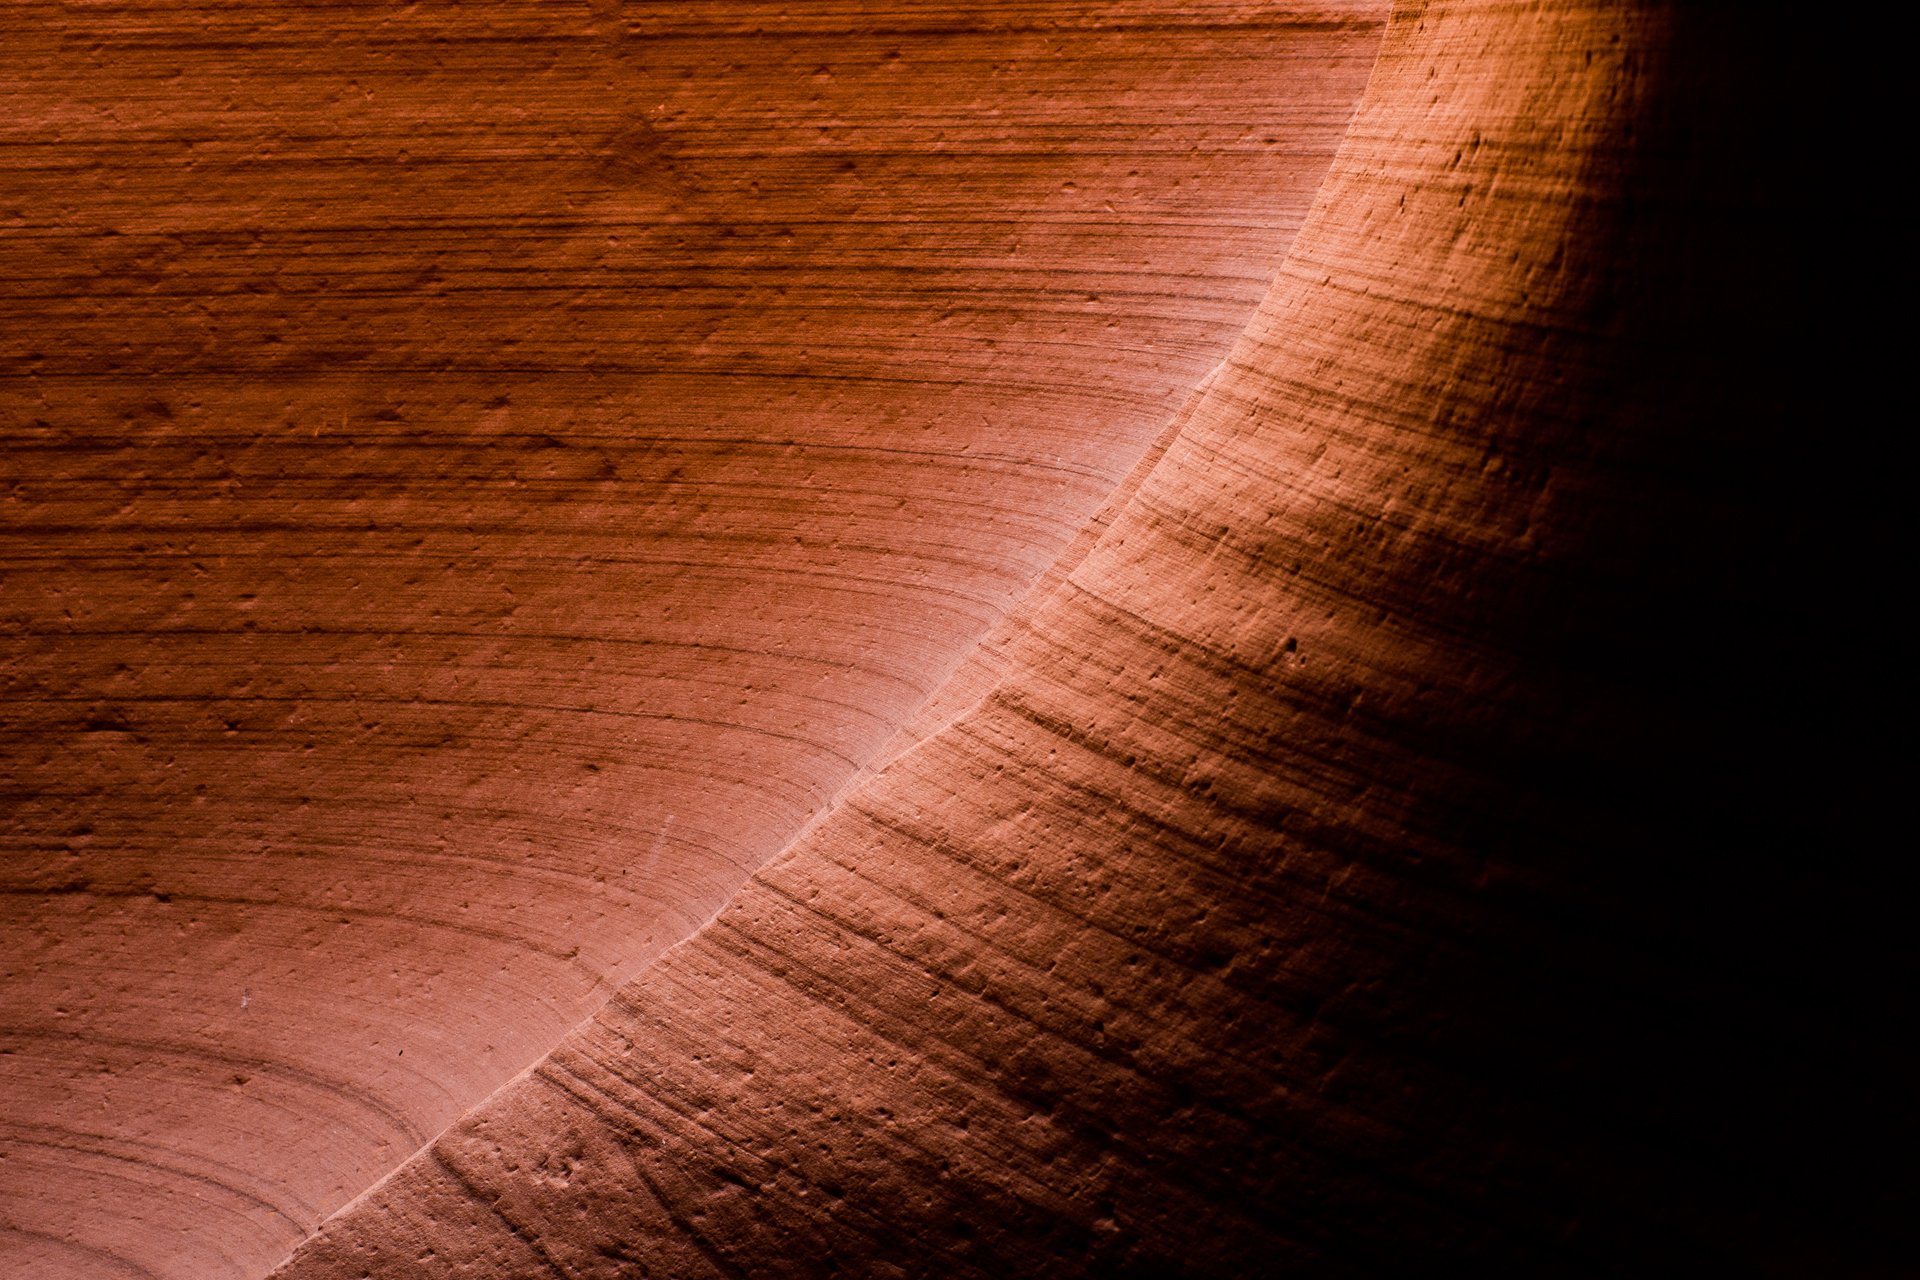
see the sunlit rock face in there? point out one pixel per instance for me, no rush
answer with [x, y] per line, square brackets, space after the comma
[812, 639]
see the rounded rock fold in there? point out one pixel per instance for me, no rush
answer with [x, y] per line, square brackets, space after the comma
[1353, 861]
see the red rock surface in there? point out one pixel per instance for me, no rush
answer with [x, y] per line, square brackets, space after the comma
[480, 477]
[1377, 840]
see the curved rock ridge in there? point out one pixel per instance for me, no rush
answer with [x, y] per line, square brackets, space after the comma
[1384, 846]
[479, 478]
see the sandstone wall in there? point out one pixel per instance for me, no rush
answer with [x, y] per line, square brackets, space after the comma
[1391, 843]
[479, 478]
[1428, 818]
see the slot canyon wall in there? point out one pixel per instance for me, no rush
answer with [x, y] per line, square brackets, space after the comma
[1055, 639]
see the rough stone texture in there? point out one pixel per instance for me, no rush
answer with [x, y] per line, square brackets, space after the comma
[1414, 827]
[1391, 842]
[478, 478]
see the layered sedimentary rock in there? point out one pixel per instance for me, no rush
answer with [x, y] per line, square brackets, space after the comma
[1392, 832]
[1377, 849]
[479, 478]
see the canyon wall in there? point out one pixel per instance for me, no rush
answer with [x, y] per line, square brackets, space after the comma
[1418, 820]
[481, 477]
[1391, 847]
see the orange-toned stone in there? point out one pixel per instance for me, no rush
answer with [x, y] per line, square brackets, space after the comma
[480, 478]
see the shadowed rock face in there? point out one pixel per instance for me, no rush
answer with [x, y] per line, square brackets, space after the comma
[1377, 839]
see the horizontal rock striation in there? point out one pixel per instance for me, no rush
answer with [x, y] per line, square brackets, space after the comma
[480, 478]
